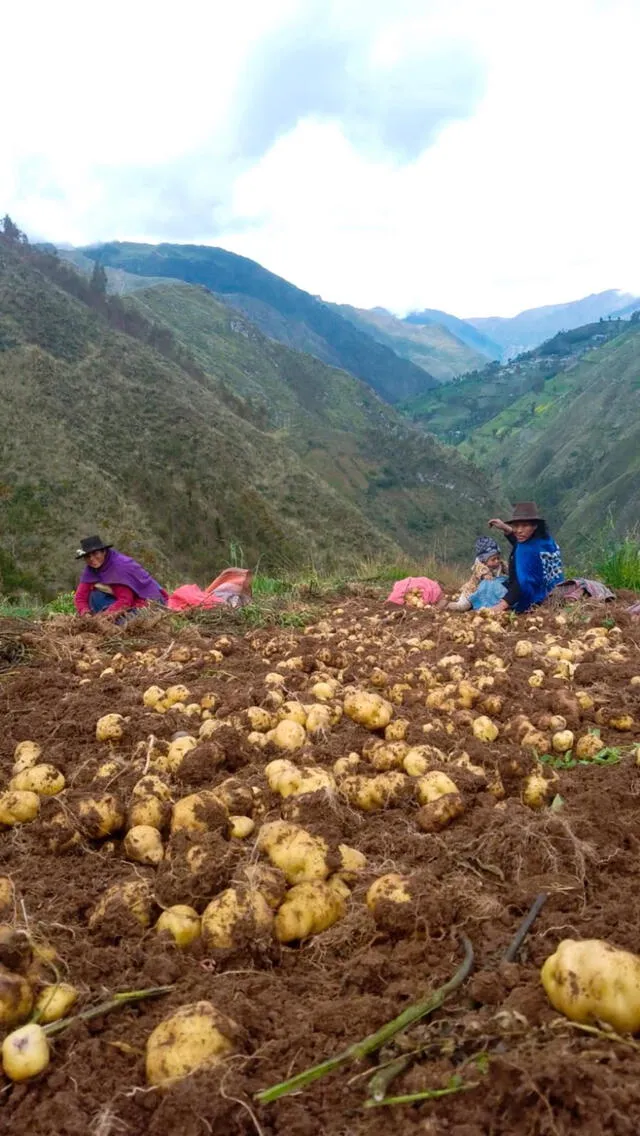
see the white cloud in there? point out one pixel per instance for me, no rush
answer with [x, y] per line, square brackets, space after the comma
[478, 157]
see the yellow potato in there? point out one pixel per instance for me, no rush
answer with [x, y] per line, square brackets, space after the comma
[25, 755]
[133, 895]
[308, 909]
[434, 785]
[622, 722]
[209, 701]
[55, 1001]
[352, 862]
[392, 888]
[439, 813]
[191, 814]
[318, 719]
[396, 730]
[16, 998]
[153, 695]
[176, 694]
[100, 815]
[288, 734]
[367, 709]
[420, 758]
[233, 796]
[372, 793]
[589, 980]
[269, 881]
[143, 844]
[536, 790]
[536, 678]
[387, 755]
[194, 1037]
[346, 765]
[562, 741]
[7, 894]
[293, 712]
[324, 691]
[301, 856]
[209, 727]
[45, 780]
[523, 648]
[110, 728]
[18, 806]
[259, 720]
[148, 811]
[241, 826]
[182, 923]
[233, 910]
[178, 749]
[25, 1052]
[484, 729]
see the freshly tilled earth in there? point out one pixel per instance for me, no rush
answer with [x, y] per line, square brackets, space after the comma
[525, 1068]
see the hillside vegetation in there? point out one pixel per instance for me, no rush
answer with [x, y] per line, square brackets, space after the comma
[519, 333]
[110, 424]
[455, 411]
[574, 445]
[281, 311]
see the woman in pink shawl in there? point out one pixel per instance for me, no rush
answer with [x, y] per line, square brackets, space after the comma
[111, 583]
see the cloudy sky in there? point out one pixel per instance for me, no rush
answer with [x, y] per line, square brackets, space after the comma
[472, 155]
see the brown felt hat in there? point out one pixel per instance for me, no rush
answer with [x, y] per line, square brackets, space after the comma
[525, 511]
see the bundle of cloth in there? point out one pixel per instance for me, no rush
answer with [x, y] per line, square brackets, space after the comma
[416, 591]
[231, 587]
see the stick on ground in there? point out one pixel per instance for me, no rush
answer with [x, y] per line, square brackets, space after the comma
[525, 926]
[375, 1040]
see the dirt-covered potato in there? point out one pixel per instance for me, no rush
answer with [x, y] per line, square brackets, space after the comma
[301, 856]
[178, 749]
[391, 888]
[352, 863]
[588, 746]
[25, 755]
[372, 793]
[45, 780]
[269, 881]
[16, 998]
[241, 826]
[54, 1002]
[288, 735]
[18, 806]
[143, 844]
[133, 897]
[234, 913]
[110, 728]
[308, 909]
[589, 980]
[25, 1052]
[484, 729]
[194, 1037]
[291, 780]
[368, 709]
[419, 759]
[198, 812]
[182, 923]
[387, 755]
[100, 815]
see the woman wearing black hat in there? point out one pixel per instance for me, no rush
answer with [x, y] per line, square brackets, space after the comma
[112, 583]
[535, 564]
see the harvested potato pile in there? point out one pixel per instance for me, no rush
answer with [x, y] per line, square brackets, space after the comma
[287, 831]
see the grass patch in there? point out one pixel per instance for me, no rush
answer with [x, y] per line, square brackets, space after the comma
[620, 566]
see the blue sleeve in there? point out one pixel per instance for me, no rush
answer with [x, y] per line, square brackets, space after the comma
[531, 578]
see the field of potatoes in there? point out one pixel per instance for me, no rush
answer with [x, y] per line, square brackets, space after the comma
[277, 841]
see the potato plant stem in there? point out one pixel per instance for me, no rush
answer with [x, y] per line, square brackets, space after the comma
[375, 1040]
[428, 1094]
[114, 1003]
[525, 927]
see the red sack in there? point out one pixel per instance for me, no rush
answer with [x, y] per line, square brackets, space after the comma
[232, 587]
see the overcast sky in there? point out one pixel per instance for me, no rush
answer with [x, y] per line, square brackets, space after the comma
[474, 155]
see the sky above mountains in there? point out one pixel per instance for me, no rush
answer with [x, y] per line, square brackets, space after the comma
[471, 155]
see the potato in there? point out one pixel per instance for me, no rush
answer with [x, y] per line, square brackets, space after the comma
[562, 741]
[195, 1037]
[590, 980]
[176, 694]
[233, 909]
[148, 811]
[308, 909]
[318, 719]
[367, 709]
[396, 730]
[182, 923]
[194, 813]
[301, 856]
[45, 780]
[18, 806]
[178, 749]
[439, 813]
[434, 785]
[241, 826]
[143, 844]
[25, 1052]
[16, 998]
[54, 1002]
[535, 740]
[209, 727]
[269, 881]
[420, 758]
[523, 648]
[536, 678]
[392, 888]
[293, 712]
[371, 793]
[110, 728]
[100, 815]
[274, 679]
[324, 691]
[588, 746]
[25, 755]
[233, 796]
[133, 895]
[346, 765]
[152, 696]
[621, 722]
[257, 739]
[352, 862]
[484, 729]
[387, 755]
[7, 895]
[288, 735]
[536, 790]
[259, 720]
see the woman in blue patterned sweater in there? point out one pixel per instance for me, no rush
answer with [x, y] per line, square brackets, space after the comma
[535, 563]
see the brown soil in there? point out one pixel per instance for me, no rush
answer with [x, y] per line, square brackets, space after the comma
[532, 1073]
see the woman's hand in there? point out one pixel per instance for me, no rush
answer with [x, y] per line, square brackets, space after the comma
[501, 606]
[496, 523]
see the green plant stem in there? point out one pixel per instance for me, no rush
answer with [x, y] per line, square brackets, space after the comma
[381, 1080]
[106, 1007]
[428, 1094]
[375, 1040]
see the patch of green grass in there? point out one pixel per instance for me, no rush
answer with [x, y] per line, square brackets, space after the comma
[608, 755]
[620, 567]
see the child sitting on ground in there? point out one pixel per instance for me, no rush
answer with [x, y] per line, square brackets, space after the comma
[488, 565]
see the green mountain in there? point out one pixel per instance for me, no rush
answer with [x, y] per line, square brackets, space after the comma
[531, 327]
[281, 311]
[574, 445]
[430, 346]
[110, 424]
[463, 330]
[454, 412]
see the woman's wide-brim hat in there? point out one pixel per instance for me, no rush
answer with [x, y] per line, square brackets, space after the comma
[91, 544]
[525, 511]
